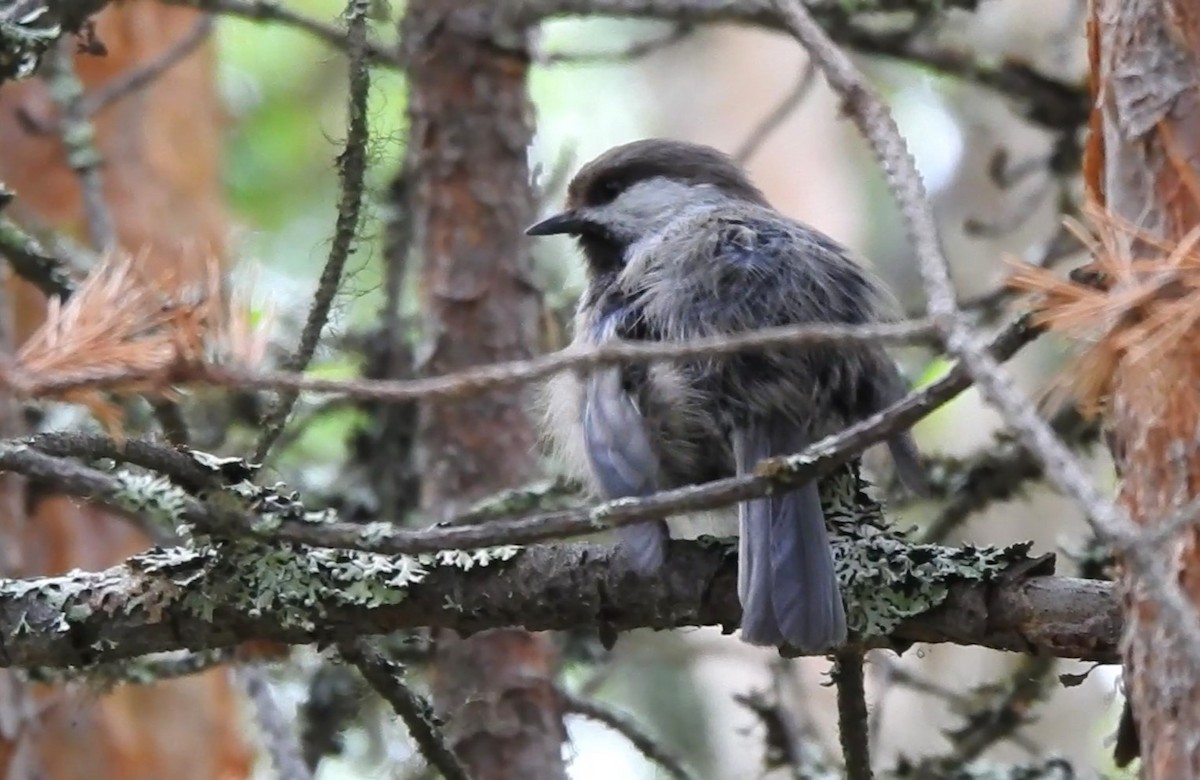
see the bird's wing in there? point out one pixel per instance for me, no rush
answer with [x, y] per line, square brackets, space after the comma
[618, 445]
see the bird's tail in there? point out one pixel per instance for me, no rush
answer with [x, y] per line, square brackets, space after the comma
[786, 582]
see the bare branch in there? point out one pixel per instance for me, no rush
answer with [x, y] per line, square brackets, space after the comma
[141, 77]
[280, 737]
[772, 474]
[778, 115]
[853, 723]
[139, 671]
[791, 741]
[387, 678]
[632, 52]
[997, 473]
[1052, 104]
[485, 378]
[267, 11]
[996, 714]
[79, 138]
[625, 725]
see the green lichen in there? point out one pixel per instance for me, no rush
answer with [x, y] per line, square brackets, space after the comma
[542, 496]
[154, 498]
[885, 577]
[297, 585]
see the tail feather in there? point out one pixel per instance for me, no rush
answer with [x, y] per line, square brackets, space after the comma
[759, 625]
[644, 545]
[786, 582]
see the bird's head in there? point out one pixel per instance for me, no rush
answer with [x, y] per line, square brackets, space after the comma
[634, 190]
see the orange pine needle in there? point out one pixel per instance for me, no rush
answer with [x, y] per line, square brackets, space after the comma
[1144, 315]
[123, 333]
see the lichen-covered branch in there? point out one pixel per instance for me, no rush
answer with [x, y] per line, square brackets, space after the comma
[32, 262]
[177, 599]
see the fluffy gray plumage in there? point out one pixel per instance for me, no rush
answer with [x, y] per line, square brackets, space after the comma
[679, 245]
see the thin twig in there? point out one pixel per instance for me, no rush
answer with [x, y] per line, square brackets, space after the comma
[778, 115]
[279, 735]
[79, 138]
[1061, 246]
[138, 671]
[632, 52]
[184, 469]
[482, 379]
[627, 727]
[852, 713]
[335, 699]
[991, 715]
[1053, 104]
[997, 473]
[772, 475]
[791, 738]
[352, 166]
[387, 678]
[33, 263]
[896, 675]
[1000, 717]
[144, 75]
[267, 11]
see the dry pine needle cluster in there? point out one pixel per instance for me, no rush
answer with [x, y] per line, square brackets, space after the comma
[1133, 309]
[125, 331]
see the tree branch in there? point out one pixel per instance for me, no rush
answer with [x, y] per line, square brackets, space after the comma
[853, 723]
[629, 728]
[351, 167]
[178, 599]
[236, 519]
[386, 676]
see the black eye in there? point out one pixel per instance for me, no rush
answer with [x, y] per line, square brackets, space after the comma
[607, 190]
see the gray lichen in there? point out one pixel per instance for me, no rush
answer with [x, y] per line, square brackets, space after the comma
[284, 579]
[289, 580]
[154, 498]
[542, 496]
[135, 671]
[27, 30]
[885, 577]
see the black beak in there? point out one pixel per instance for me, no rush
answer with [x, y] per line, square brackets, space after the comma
[566, 222]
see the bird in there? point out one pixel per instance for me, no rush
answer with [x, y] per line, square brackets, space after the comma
[679, 244]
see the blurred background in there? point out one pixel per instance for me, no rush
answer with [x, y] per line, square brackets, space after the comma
[718, 86]
[990, 175]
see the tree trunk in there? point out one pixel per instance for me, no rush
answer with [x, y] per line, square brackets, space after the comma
[469, 129]
[162, 173]
[1142, 167]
